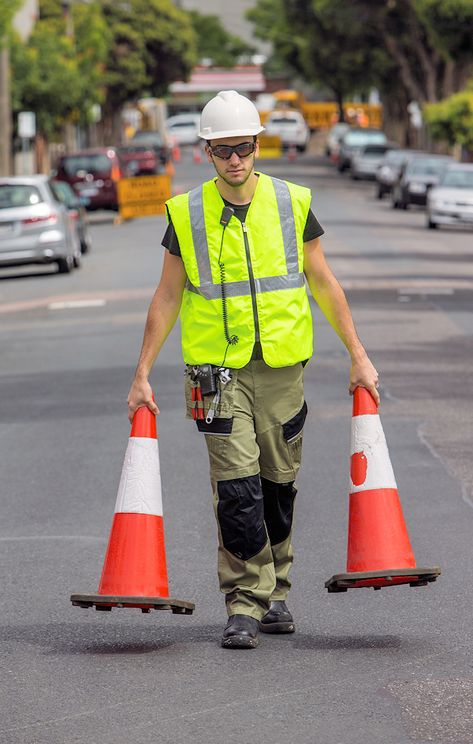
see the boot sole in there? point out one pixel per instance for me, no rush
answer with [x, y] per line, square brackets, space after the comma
[239, 642]
[277, 627]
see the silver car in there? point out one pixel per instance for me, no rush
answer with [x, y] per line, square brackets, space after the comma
[451, 201]
[35, 228]
[366, 161]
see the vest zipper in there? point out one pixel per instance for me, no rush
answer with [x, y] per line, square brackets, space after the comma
[252, 280]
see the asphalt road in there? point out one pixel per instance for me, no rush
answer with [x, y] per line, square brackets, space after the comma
[365, 667]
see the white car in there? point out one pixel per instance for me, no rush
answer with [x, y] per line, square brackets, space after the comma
[183, 128]
[450, 202]
[35, 227]
[290, 126]
[334, 137]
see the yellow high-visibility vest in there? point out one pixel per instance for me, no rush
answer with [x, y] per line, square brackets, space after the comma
[260, 264]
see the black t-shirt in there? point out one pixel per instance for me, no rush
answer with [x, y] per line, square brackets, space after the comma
[312, 230]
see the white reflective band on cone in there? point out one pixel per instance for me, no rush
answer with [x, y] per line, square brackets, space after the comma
[140, 483]
[367, 436]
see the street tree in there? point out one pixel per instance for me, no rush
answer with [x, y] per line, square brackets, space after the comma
[451, 120]
[8, 9]
[423, 47]
[153, 44]
[215, 43]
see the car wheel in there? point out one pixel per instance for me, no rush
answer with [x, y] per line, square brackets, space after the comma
[65, 265]
[379, 193]
[431, 225]
[301, 148]
[403, 205]
[77, 260]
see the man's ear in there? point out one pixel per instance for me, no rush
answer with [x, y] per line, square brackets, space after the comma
[257, 148]
[208, 153]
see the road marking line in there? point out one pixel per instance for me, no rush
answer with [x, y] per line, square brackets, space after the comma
[71, 304]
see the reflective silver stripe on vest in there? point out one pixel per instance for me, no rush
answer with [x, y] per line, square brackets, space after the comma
[209, 290]
[242, 289]
[288, 225]
[199, 236]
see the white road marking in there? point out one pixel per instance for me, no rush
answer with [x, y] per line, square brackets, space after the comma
[73, 304]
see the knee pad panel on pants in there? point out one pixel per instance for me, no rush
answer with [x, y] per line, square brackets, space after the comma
[240, 513]
[278, 509]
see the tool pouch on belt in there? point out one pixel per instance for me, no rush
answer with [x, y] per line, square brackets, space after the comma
[214, 399]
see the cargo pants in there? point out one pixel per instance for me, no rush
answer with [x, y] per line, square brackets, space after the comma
[255, 445]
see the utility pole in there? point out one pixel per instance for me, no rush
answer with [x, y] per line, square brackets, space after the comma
[5, 111]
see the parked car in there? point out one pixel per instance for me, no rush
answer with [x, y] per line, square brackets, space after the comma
[77, 212]
[353, 140]
[93, 174]
[451, 201]
[389, 168]
[291, 127]
[152, 139]
[334, 137]
[141, 160]
[184, 128]
[416, 177]
[366, 160]
[35, 228]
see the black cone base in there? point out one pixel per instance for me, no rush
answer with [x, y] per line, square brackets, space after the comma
[105, 603]
[380, 579]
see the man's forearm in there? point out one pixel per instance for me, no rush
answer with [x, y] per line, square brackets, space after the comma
[162, 315]
[331, 299]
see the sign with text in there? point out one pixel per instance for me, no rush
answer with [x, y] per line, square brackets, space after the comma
[143, 196]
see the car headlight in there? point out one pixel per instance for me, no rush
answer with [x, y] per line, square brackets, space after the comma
[417, 188]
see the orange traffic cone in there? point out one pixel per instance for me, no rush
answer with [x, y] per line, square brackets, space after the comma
[169, 168]
[292, 153]
[176, 151]
[197, 154]
[379, 549]
[134, 572]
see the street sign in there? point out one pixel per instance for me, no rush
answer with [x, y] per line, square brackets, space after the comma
[26, 124]
[143, 196]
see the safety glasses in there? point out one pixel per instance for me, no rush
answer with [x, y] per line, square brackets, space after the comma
[225, 152]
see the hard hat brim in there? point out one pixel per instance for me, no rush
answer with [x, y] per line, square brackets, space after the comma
[246, 132]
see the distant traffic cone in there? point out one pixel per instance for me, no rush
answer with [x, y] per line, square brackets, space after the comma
[379, 549]
[169, 168]
[134, 572]
[176, 151]
[197, 154]
[292, 153]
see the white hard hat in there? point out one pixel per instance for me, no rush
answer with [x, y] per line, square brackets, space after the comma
[229, 114]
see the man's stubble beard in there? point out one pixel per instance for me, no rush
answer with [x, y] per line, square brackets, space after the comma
[240, 183]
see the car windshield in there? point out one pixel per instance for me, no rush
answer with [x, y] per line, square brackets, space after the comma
[181, 124]
[374, 150]
[88, 163]
[394, 157]
[284, 120]
[18, 195]
[153, 137]
[358, 139]
[424, 167]
[458, 179]
[63, 193]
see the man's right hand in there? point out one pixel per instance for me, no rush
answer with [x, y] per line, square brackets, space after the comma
[141, 394]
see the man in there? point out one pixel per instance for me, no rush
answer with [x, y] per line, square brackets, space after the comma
[239, 248]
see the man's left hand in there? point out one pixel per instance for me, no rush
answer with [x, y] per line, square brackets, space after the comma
[364, 374]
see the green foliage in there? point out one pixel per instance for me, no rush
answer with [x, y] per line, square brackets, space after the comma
[59, 77]
[410, 49]
[8, 9]
[451, 120]
[327, 42]
[215, 43]
[153, 43]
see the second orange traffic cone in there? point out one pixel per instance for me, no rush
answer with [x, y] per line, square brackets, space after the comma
[379, 550]
[134, 572]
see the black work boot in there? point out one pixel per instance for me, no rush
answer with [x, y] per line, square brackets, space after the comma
[278, 619]
[241, 631]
